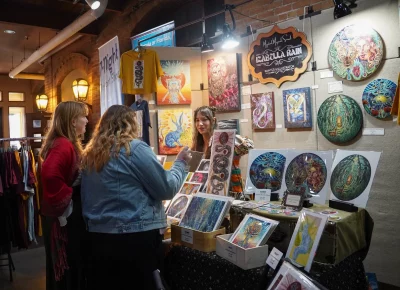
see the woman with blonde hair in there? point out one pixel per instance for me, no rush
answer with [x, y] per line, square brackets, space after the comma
[205, 122]
[123, 186]
[60, 204]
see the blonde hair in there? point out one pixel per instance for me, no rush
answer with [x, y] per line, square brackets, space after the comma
[198, 141]
[61, 126]
[115, 130]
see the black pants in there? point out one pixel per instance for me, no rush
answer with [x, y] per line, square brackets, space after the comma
[124, 261]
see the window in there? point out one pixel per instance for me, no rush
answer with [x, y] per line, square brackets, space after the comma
[16, 118]
[16, 97]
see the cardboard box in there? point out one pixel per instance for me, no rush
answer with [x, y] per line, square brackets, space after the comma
[202, 241]
[243, 258]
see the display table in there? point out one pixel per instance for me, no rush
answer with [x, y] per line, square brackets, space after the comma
[341, 238]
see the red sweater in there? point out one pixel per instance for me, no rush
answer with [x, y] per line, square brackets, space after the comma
[59, 171]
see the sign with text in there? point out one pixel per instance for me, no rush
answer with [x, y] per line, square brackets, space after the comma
[167, 39]
[278, 56]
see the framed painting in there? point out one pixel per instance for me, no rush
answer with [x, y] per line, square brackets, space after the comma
[297, 108]
[378, 98]
[224, 83]
[174, 130]
[262, 111]
[174, 87]
[229, 124]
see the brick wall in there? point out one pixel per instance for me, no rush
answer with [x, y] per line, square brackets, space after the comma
[271, 11]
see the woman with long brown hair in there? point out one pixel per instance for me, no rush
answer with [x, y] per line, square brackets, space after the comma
[60, 205]
[123, 186]
[205, 123]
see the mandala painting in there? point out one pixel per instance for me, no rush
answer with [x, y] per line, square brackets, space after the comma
[378, 98]
[307, 170]
[173, 87]
[355, 52]
[340, 118]
[262, 111]
[350, 177]
[223, 83]
[266, 171]
[297, 108]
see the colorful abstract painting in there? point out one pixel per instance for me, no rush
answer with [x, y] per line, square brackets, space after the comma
[174, 87]
[190, 188]
[229, 124]
[223, 83]
[205, 212]
[200, 177]
[305, 239]
[297, 108]
[221, 162]
[174, 130]
[262, 111]
[340, 119]
[355, 52]
[178, 206]
[378, 98]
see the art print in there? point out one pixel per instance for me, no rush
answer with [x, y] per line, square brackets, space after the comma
[221, 162]
[262, 111]
[297, 280]
[205, 212]
[352, 176]
[190, 188]
[178, 206]
[305, 239]
[378, 98]
[229, 124]
[223, 83]
[174, 87]
[340, 119]
[355, 52]
[297, 108]
[174, 130]
[204, 165]
[199, 177]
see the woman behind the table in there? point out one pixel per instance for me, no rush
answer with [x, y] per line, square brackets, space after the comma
[123, 185]
[205, 123]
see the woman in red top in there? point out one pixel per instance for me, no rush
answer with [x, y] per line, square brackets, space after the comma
[63, 223]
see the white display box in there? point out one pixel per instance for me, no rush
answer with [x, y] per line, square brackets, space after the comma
[243, 258]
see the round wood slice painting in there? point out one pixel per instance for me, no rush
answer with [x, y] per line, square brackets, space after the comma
[306, 170]
[266, 171]
[340, 119]
[350, 177]
[378, 98]
[355, 52]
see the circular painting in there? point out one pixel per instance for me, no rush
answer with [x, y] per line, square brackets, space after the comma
[339, 118]
[350, 177]
[378, 98]
[176, 208]
[355, 52]
[266, 171]
[306, 170]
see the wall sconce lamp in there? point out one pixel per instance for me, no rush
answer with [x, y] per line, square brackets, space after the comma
[41, 102]
[80, 88]
[229, 40]
[93, 4]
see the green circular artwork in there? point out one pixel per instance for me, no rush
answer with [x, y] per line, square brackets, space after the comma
[355, 52]
[340, 118]
[350, 177]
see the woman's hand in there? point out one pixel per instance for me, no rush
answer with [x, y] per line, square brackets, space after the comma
[185, 155]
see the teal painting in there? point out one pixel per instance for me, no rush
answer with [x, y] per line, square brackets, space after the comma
[378, 98]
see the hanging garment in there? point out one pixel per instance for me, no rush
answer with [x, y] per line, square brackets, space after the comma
[143, 106]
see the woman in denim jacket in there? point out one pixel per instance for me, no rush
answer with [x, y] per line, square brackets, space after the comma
[123, 186]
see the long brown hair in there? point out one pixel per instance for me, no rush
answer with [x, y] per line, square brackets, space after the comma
[198, 141]
[61, 126]
[115, 130]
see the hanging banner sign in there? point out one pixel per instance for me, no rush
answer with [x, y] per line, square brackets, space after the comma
[110, 83]
[278, 56]
[166, 39]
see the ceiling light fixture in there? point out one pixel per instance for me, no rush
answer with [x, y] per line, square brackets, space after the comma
[93, 4]
[206, 46]
[341, 9]
[9, 31]
[229, 40]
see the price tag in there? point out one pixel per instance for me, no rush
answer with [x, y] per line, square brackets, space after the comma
[246, 106]
[335, 87]
[246, 90]
[314, 87]
[279, 126]
[231, 253]
[374, 132]
[244, 120]
[187, 236]
[152, 102]
[326, 74]
[263, 195]
[274, 258]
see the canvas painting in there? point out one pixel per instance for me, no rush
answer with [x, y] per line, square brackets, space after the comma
[262, 111]
[174, 87]
[352, 176]
[253, 231]
[297, 108]
[190, 188]
[174, 130]
[200, 177]
[297, 280]
[229, 124]
[223, 83]
[178, 206]
[378, 98]
[221, 162]
[305, 238]
[205, 212]
[204, 165]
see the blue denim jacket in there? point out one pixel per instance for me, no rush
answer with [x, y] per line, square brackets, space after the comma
[126, 195]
